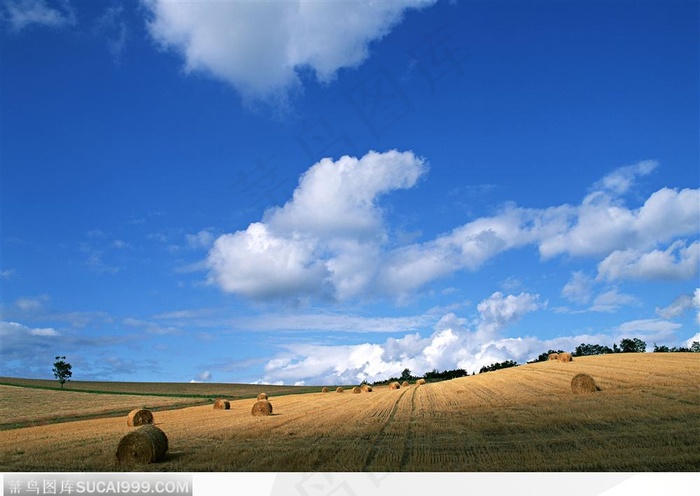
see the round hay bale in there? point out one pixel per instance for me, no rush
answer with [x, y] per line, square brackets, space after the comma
[366, 388]
[324, 390]
[147, 444]
[420, 382]
[357, 390]
[339, 389]
[405, 384]
[139, 417]
[564, 357]
[262, 396]
[394, 385]
[222, 405]
[261, 408]
[583, 383]
[553, 356]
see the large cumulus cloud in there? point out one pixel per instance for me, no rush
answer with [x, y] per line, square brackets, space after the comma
[261, 47]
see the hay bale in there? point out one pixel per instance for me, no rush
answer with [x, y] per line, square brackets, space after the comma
[564, 357]
[222, 405]
[405, 384]
[584, 383]
[147, 444]
[420, 382]
[394, 385]
[339, 389]
[553, 356]
[139, 417]
[261, 408]
[262, 396]
[357, 390]
[366, 388]
[324, 390]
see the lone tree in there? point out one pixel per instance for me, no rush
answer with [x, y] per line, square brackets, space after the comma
[635, 345]
[62, 370]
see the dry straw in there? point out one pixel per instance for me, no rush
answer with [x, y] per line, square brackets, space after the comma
[324, 390]
[564, 357]
[262, 396]
[366, 388]
[583, 383]
[420, 382]
[394, 385]
[553, 356]
[147, 444]
[139, 417]
[261, 408]
[357, 390]
[405, 384]
[222, 404]
[339, 389]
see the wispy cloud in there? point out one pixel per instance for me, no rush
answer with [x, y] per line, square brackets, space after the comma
[20, 14]
[112, 26]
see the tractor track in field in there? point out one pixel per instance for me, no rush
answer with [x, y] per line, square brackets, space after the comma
[408, 445]
[374, 449]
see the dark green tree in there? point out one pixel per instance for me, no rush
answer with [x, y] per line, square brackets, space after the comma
[695, 347]
[591, 349]
[635, 345]
[660, 349]
[405, 375]
[62, 370]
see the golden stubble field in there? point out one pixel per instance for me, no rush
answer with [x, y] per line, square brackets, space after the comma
[646, 418]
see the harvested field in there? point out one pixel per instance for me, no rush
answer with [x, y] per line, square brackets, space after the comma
[19, 405]
[645, 418]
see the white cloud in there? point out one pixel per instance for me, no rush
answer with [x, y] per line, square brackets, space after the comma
[22, 13]
[32, 304]
[579, 289]
[14, 330]
[453, 343]
[603, 224]
[681, 305]
[331, 238]
[150, 327]
[678, 261]
[678, 307]
[325, 241]
[332, 322]
[260, 47]
[621, 179]
[202, 239]
[611, 300]
[7, 273]
[499, 311]
[648, 325]
[205, 376]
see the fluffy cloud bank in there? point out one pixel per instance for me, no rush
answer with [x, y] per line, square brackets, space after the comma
[454, 343]
[325, 241]
[331, 239]
[260, 47]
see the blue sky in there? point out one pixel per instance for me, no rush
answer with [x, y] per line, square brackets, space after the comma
[321, 193]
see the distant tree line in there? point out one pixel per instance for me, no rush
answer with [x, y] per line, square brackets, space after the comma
[434, 375]
[627, 345]
[498, 366]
